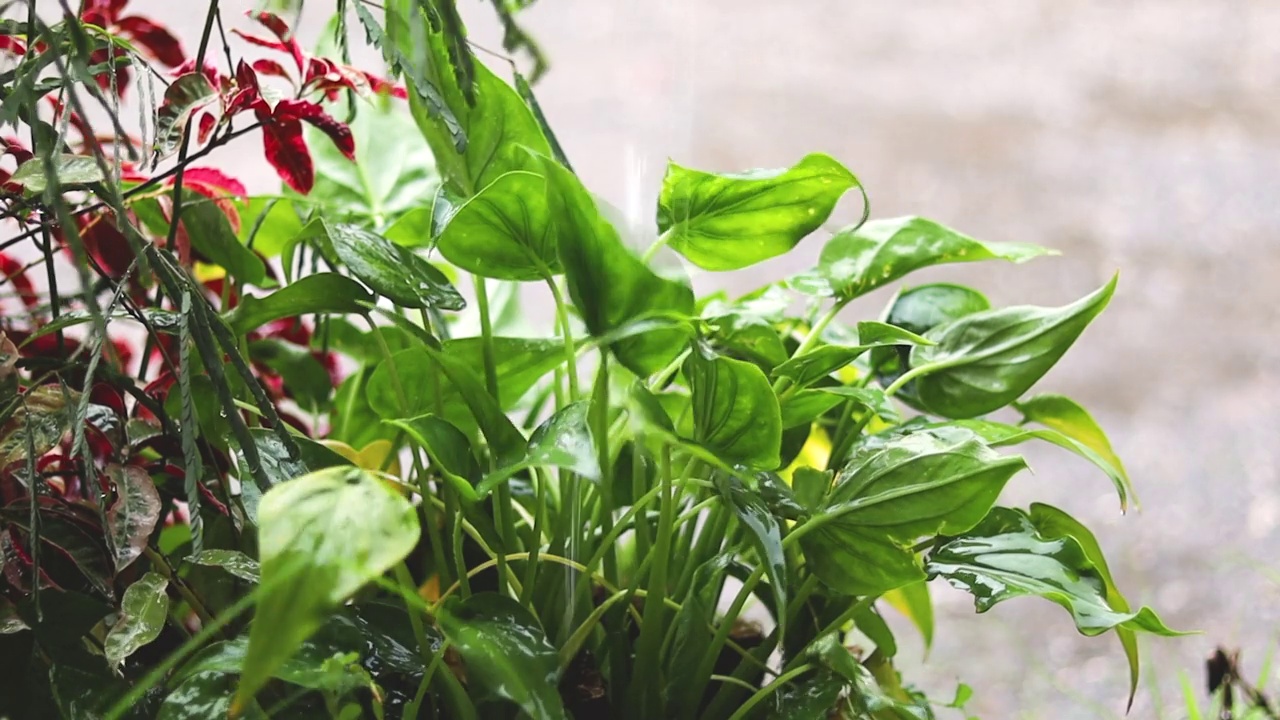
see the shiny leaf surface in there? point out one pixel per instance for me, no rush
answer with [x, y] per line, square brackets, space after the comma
[393, 271]
[313, 294]
[563, 441]
[735, 412]
[504, 231]
[133, 516]
[142, 615]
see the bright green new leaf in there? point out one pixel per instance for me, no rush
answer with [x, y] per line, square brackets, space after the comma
[986, 360]
[913, 601]
[506, 652]
[894, 491]
[608, 284]
[563, 441]
[142, 615]
[1007, 556]
[324, 292]
[504, 231]
[1067, 417]
[449, 450]
[321, 538]
[735, 411]
[392, 271]
[858, 260]
[730, 221]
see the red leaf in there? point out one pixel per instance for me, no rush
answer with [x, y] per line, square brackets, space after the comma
[280, 29]
[207, 123]
[265, 66]
[16, 274]
[311, 112]
[382, 85]
[155, 38]
[209, 181]
[11, 44]
[247, 94]
[287, 153]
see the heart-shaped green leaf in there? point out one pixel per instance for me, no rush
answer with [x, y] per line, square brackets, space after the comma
[504, 231]
[564, 441]
[735, 411]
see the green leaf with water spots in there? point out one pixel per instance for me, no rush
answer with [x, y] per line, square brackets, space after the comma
[143, 611]
[735, 411]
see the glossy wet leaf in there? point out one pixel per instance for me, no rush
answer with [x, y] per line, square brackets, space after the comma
[856, 261]
[40, 419]
[504, 231]
[279, 467]
[914, 602]
[133, 516]
[186, 94]
[69, 534]
[213, 237]
[1006, 556]
[894, 491]
[314, 294]
[608, 284]
[321, 538]
[804, 370]
[449, 450]
[563, 441]
[233, 562]
[763, 533]
[730, 221]
[68, 170]
[199, 697]
[813, 697]
[392, 271]
[735, 411]
[142, 616]
[1066, 416]
[505, 652]
[986, 360]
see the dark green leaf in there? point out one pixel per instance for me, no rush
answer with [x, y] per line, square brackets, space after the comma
[505, 652]
[730, 221]
[213, 237]
[449, 450]
[609, 285]
[815, 697]
[70, 170]
[142, 615]
[392, 271]
[1066, 416]
[305, 377]
[858, 260]
[986, 360]
[233, 561]
[135, 513]
[317, 293]
[1007, 556]
[892, 492]
[691, 632]
[504, 231]
[735, 411]
[764, 535]
[279, 467]
[321, 538]
[562, 441]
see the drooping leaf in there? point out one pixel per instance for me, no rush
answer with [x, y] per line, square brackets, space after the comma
[1007, 556]
[803, 370]
[142, 615]
[504, 231]
[233, 562]
[735, 411]
[317, 293]
[730, 221]
[505, 652]
[392, 271]
[213, 237]
[563, 441]
[322, 537]
[609, 285]
[185, 95]
[764, 535]
[913, 601]
[691, 635]
[858, 260]
[70, 170]
[986, 360]
[1067, 417]
[449, 450]
[893, 491]
[133, 516]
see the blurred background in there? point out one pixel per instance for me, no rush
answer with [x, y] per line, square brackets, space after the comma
[1141, 136]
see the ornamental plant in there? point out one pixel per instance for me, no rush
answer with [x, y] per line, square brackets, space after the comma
[309, 454]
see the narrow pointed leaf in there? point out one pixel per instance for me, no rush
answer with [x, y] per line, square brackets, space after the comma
[764, 534]
[1067, 417]
[318, 293]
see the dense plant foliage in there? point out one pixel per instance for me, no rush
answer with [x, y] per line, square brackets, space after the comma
[266, 459]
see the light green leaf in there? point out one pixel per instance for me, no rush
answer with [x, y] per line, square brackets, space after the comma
[322, 537]
[986, 360]
[563, 441]
[506, 652]
[914, 603]
[735, 411]
[504, 231]
[449, 450]
[730, 221]
[324, 292]
[804, 370]
[233, 562]
[71, 170]
[213, 237]
[142, 614]
[268, 224]
[858, 260]
[892, 492]
[1066, 416]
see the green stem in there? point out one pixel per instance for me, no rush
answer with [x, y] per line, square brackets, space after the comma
[912, 374]
[503, 515]
[768, 690]
[566, 334]
[646, 688]
[811, 339]
[657, 245]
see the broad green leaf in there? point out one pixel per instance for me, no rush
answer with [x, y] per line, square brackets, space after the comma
[764, 535]
[199, 697]
[305, 378]
[504, 231]
[691, 634]
[321, 538]
[913, 601]
[213, 237]
[1053, 524]
[563, 441]
[70, 170]
[1000, 435]
[804, 370]
[1007, 556]
[730, 221]
[894, 491]
[609, 285]
[449, 450]
[392, 271]
[186, 94]
[858, 260]
[735, 411]
[233, 562]
[804, 406]
[80, 690]
[142, 614]
[324, 292]
[814, 697]
[279, 467]
[986, 360]
[1067, 417]
[505, 652]
[268, 224]
[133, 516]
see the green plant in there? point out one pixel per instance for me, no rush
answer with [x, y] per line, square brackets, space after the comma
[432, 516]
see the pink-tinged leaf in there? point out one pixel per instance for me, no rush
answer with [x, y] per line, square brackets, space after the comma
[13, 146]
[266, 66]
[247, 94]
[287, 153]
[312, 113]
[281, 30]
[10, 44]
[183, 97]
[383, 86]
[213, 183]
[155, 38]
[16, 274]
[134, 515]
[207, 123]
